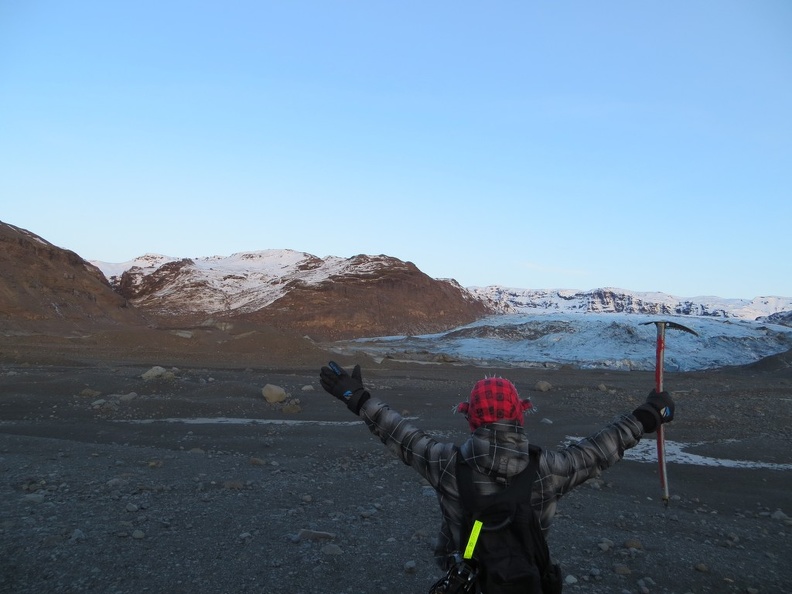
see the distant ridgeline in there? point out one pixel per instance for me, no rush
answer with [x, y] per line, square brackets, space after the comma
[608, 300]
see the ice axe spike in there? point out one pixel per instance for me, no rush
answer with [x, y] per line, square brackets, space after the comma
[659, 364]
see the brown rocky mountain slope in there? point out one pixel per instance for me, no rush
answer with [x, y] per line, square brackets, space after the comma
[393, 298]
[359, 296]
[327, 299]
[42, 284]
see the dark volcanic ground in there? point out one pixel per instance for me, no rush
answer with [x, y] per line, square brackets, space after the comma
[101, 490]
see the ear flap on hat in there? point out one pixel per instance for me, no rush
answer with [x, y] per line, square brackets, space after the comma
[462, 407]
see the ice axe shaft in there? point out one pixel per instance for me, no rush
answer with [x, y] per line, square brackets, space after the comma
[659, 366]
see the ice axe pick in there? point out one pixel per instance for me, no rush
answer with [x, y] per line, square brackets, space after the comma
[659, 363]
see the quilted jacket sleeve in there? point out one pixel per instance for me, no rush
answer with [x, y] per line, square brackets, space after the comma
[432, 459]
[570, 466]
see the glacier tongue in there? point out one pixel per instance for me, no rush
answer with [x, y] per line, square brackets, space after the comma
[594, 341]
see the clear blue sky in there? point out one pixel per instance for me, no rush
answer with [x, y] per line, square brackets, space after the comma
[577, 144]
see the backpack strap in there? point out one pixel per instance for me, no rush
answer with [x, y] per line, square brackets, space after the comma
[518, 491]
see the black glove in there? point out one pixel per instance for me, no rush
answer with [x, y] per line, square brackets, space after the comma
[347, 388]
[658, 409]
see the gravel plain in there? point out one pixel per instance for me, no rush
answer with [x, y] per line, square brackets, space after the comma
[193, 482]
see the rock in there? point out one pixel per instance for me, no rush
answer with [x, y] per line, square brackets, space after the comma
[89, 393]
[570, 579]
[131, 507]
[602, 388]
[778, 515]
[77, 535]
[273, 394]
[138, 534]
[546, 421]
[410, 567]
[633, 543]
[543, 386]
[158, 372]
[701, 567]
[307, 388]
[332, 550]
[292, 406]
[305, 534]
[621, 569]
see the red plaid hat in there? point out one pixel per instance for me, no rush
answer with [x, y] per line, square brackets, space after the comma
[493, 399]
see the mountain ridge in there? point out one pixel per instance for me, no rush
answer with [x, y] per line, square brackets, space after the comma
[613, 300]
[328, 298]
[247, 282]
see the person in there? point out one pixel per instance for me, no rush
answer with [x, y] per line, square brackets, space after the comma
[497, 449]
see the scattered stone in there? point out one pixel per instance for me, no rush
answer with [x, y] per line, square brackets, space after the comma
[332, 550]
[131, 507]
[89, 393]
[543, 386]
[308, 388]
[274, 394]
[292, 406]
[77, 535]
[410, 567]
[138, 534]
[702, 567]
[158, 373]
[602, 388]
[246, 536]
[257, 461]
[305, 534]
[621, 569]
[570, 579]
[633, 543]
[605, 544]
[546, 421]
[778, 515]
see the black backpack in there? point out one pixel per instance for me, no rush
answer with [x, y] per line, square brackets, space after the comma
[506, 548]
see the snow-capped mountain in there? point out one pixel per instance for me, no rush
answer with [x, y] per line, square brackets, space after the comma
[240, 283]
[609, 300]
[379, 296]
[324, 297]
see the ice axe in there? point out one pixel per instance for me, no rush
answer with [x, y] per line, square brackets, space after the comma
[659, 363]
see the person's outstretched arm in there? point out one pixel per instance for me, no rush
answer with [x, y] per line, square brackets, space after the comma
[432, 459]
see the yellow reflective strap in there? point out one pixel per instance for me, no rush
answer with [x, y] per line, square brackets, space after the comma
[474, 534]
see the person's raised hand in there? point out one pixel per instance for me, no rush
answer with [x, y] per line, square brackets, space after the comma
[347, 388]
